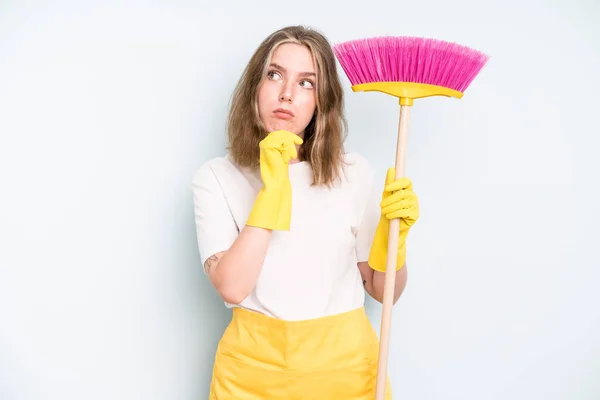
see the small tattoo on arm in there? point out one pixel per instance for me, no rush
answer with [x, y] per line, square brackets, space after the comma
[364, 282]
[209, 263]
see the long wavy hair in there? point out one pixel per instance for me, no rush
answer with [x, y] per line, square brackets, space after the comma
[325, 134]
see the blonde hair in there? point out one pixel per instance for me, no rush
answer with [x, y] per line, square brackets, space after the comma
[325, 133]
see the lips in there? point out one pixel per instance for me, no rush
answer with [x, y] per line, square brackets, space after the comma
[282, 112]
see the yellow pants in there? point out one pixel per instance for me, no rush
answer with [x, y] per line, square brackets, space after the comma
[329, 358]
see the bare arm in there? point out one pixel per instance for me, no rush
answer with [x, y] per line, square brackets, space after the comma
[373, 281]
[234, 272]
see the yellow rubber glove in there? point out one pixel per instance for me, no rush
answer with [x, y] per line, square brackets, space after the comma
[273, 205]
[398, 201]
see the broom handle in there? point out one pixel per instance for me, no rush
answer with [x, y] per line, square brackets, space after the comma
[390, 273]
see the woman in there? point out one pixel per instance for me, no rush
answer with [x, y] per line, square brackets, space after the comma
[291, 233]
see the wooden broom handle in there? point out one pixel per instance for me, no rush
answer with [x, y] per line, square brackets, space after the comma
[390, 272]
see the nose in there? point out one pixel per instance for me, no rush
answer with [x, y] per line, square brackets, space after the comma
[286, 93]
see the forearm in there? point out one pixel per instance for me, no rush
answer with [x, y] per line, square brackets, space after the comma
[238, 269]
[379, 283]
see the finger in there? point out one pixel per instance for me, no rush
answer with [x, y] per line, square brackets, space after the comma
[399, 184]
[399, 206]
[291, 149]
[276, 139]
[390, 176]
[402, 195]
[288, 151]
[409, 214]
[275, 136]
[283, 136]
[286, 155]
[289, 142]
[297, 139]
[289, 136]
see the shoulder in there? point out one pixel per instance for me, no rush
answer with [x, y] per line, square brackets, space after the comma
[215, 170]
[358, 167]
[357, 160]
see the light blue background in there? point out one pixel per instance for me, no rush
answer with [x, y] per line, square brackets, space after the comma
[108, 108]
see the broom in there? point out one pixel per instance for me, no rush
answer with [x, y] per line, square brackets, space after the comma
[408, 68]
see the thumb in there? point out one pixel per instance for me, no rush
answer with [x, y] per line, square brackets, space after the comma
[390, 176]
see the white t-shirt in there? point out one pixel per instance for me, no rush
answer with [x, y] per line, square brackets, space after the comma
[311, 270]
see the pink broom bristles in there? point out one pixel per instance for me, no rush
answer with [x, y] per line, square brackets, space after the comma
[409, 59]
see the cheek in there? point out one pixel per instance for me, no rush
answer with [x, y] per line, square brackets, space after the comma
[264, 98]
[309, 105]
[261, 98]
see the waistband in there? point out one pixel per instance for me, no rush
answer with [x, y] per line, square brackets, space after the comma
[243, 315]
[325, 343]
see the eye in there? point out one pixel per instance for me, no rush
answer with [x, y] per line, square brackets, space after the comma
[273, 75]
[305, 82]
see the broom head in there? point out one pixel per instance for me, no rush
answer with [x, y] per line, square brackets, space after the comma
[409, 67]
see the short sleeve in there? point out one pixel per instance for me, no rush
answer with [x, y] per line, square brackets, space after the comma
[369, 198]
[216, 229]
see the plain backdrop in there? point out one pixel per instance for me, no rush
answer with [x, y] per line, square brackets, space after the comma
[107, 108]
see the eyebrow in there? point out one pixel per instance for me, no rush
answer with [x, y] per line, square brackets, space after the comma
[275, 65]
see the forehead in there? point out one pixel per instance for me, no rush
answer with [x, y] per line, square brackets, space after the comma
[294, 57]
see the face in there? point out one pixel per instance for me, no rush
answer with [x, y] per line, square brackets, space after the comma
[287, 99]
